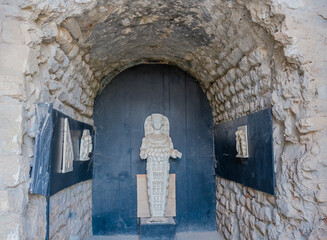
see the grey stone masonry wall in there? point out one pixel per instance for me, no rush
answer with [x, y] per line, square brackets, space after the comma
[71, 212]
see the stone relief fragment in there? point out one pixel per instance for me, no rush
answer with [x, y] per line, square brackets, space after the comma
[68, 154]
[241, 136]
[157, 147]
[86, 145]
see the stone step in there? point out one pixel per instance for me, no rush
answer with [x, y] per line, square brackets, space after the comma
[179, 236]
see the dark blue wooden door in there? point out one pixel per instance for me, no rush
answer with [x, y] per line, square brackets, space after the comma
[119, 114]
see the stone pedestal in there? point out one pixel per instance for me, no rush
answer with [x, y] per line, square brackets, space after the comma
[157, 230]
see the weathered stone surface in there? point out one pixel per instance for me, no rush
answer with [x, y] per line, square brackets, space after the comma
[10, 227]
[35, 217]
[11, 32]
[50, 32]
[12, 86]
[13, 57]
[10, 170]
[71, 212]
[11, 131]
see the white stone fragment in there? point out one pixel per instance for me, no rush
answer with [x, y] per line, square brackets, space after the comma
[86, 145]
[68, 153]
[242, 143]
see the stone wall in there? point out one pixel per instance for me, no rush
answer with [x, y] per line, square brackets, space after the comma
[247, 55]
[16, 147]
[71, 212]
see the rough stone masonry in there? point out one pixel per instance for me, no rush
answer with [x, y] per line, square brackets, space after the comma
[247, 55]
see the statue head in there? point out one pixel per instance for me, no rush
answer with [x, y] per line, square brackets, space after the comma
[157, 120]
[156, 123]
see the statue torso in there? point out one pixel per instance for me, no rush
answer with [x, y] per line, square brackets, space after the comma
[158, 145]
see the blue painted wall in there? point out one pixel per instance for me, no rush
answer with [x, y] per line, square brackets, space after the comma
[119, 114]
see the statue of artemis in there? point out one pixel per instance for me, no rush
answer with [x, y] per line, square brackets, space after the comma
[157, 148]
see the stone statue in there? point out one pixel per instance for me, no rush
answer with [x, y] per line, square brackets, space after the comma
[86, 145]
[157, 148]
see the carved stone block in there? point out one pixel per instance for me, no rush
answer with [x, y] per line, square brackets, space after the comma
[86, 146]
[241, 136]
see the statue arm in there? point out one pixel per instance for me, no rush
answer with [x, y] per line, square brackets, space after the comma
[174, 153]
[143, 149]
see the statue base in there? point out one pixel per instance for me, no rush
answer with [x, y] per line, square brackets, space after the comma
[152, 228]
[158, 220]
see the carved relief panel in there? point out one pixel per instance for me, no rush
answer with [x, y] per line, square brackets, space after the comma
[86, 145]
[241, 137]
[68, 153]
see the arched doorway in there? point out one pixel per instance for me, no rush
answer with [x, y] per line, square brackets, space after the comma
[119, 114]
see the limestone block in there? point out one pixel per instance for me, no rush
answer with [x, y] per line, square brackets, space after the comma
[11, 32]
[231, 75]
[287, 209]
[31, 33]
[50, 32]
[321, 194]
[54, 85]
[10, 227]
[66, 62]
[32, 62]
[265, 214]
[235, 56]
[11, 117]
[261, 226]
[53, 65]
[77, 92]
[13, 57]
[73, 27]
[59, 73]
[246, 43]
[10, 170]
[64, 39]
[258, 56]
[73, 52]
[60, 55]
[4, 202]
[319, 231]
[322, 91]
[311, 124]
[11, 86]
[273, 234]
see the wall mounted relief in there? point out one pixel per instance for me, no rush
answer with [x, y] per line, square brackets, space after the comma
[57, 142]
[241, 137]
[157, 147]
[244, 151]
[86, 145]
[68, 153]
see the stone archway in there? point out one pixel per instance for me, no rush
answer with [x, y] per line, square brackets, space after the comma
[246, 55]
[119, 114]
